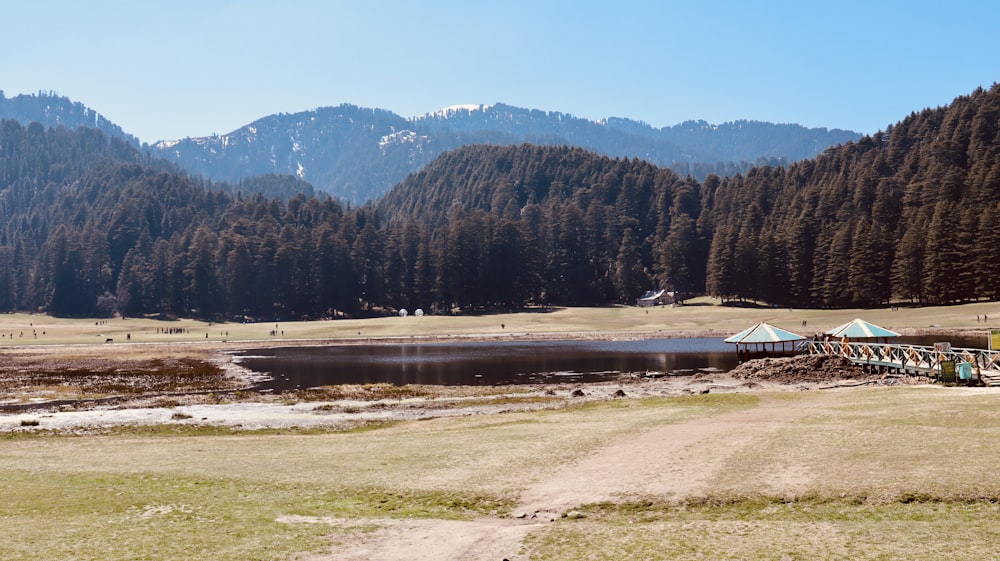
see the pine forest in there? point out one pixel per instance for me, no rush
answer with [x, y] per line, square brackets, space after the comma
[91, 226]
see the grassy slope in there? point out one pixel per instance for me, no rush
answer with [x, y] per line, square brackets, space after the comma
[869, 474]
[880, 474]
[701, 314]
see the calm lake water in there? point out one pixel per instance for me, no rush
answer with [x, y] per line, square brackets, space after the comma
[497, 363]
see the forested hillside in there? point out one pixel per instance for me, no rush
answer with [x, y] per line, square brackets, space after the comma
[906, 215]
[359, 154]
[558, 225]
[90, 226]
[53, 110]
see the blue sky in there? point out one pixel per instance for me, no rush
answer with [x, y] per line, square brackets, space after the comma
[173, 68]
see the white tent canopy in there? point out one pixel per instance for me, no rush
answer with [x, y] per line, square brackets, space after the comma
[763, 339]
[763, 333]
[861, 329]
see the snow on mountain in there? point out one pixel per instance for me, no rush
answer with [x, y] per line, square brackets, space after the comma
[455, 109]
[399, 137]
[166, 144]
[360, 153]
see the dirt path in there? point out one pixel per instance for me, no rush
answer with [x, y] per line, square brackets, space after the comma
[670, 461]
[427, 540]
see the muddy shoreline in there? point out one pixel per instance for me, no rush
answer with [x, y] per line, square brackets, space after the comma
[80, 387]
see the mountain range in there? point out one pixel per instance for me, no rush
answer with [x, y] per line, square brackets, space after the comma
[358, 154]
[91, 225]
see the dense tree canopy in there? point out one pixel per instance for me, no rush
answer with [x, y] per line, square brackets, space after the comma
[90, 226]
[905, 215]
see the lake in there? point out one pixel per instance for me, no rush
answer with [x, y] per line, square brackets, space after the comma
[496, 363]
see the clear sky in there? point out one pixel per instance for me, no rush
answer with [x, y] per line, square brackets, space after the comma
[168, 69]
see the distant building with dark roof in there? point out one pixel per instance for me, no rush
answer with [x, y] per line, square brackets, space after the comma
[655, 298]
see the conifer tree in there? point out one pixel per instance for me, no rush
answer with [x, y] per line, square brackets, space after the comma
[630, 276]
[940, 256]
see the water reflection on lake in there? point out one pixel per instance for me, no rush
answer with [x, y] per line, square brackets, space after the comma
[493, 363]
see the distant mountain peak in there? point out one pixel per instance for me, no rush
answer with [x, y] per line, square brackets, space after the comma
[52, 110]
[358, 153]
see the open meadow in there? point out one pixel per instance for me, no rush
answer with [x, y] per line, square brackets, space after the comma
[848, 474]
[838, 473]
[701, 315]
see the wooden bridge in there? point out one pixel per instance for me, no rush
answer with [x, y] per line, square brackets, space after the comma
[913, 359]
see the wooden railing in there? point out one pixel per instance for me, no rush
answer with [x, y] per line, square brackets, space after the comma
[913, 359]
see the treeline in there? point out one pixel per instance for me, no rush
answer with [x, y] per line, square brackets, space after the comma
[48, 107]
[90, 227]
[555, 225]
[906, 215]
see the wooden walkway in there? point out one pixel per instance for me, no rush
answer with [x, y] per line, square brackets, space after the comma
[912, 359]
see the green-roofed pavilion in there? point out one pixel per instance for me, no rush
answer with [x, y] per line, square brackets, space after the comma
[859, 329]
[763, 339]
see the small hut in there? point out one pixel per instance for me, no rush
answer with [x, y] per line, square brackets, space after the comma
[860, 330]
[762, 340]
[652, 298]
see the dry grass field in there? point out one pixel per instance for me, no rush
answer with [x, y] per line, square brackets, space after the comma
[700, 315]
[862, 473]
[846, 474]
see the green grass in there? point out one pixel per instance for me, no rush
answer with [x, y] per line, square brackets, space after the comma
[191, 430]
[202, 494]
[698, 314]
[773, 530]
[145, 516]
[109, 517]
[700, 404]
[862, 474]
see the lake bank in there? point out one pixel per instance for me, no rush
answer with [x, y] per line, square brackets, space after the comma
[87, 364]
[703, 317]
[487, 473]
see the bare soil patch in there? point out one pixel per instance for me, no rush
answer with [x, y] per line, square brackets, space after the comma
[88, 376]
[802, 369]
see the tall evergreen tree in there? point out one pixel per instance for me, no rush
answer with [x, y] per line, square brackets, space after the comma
[630, 276]
[368, 256]
[941, 254]
[200, 281]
